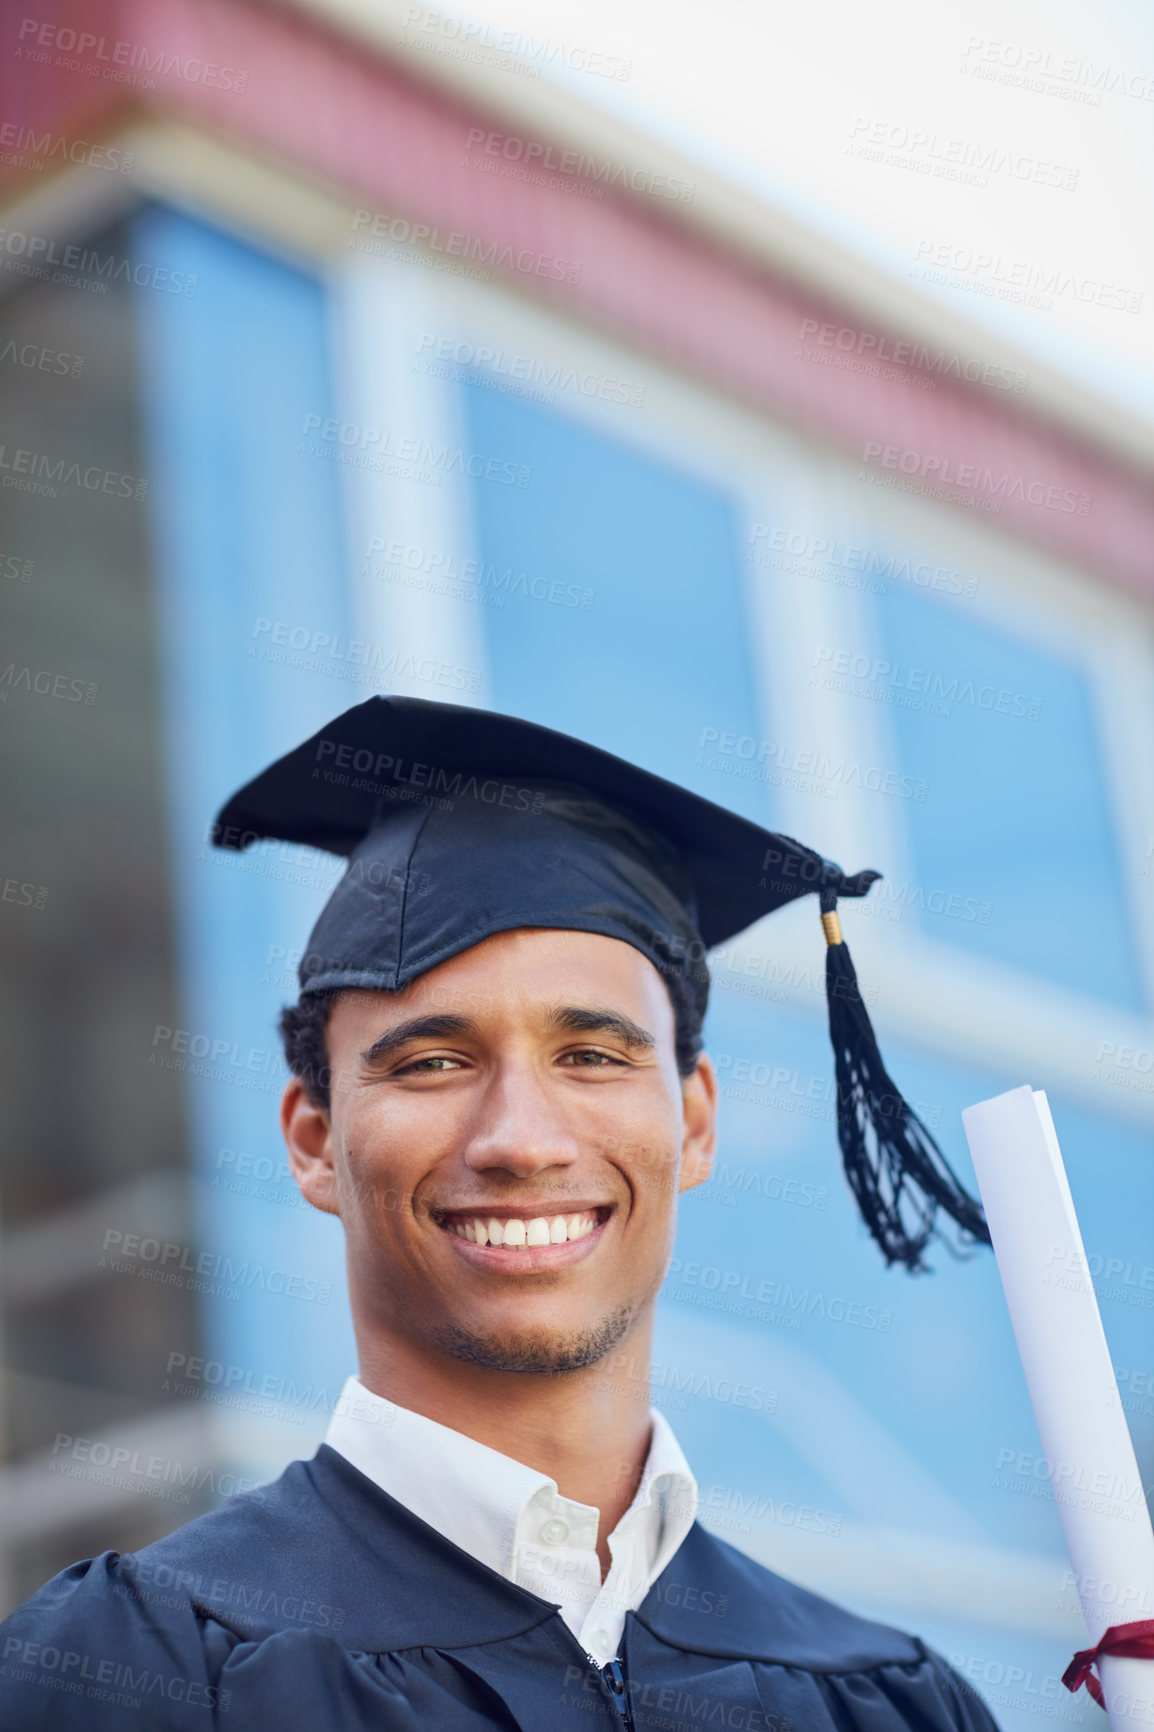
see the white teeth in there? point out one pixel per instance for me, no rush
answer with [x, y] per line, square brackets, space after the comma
[517, 1232]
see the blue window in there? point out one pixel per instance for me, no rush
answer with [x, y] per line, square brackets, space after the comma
[659, 657]
[248, 541]
[1018, 816]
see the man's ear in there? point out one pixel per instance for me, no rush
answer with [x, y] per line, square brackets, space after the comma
[308, 1135]
[699, 1122]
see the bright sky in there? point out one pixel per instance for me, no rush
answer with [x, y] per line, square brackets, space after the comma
[782, 97]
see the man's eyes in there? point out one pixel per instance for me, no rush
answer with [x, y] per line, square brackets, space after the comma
[435, 1061]
[586, 1058]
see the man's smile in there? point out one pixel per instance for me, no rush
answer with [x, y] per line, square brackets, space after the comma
[524, 1240]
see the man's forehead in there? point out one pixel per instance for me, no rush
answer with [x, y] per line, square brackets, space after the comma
[533, 971]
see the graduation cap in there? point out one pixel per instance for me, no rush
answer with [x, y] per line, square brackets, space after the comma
[458, 823]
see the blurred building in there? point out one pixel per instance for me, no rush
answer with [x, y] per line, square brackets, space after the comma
[346, 353]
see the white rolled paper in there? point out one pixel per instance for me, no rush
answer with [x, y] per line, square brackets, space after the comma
[1054, 1312]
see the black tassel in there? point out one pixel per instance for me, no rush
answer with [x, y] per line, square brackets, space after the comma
[896, 1170]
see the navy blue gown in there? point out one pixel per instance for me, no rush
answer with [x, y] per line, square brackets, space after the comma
[320, 1604]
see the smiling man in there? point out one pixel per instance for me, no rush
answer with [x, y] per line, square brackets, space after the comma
[498, 1086]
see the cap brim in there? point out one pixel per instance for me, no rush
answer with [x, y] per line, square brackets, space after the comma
[327, 793]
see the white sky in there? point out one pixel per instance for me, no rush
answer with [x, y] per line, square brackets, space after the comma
[770, 94]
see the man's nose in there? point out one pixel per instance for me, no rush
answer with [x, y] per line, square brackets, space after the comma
[518, 1128]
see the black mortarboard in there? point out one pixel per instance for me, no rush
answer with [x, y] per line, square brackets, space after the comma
[458, 824]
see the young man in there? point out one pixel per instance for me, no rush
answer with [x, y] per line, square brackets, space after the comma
[498, 1086]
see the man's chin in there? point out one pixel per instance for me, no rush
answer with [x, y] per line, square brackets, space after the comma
[537, 1352]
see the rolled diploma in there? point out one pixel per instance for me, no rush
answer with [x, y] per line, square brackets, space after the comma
[1054, 1312]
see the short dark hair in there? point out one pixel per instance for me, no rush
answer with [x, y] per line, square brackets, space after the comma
[303, 1028]
[302, 1032]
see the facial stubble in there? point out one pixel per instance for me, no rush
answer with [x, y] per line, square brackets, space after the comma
[534, 1352]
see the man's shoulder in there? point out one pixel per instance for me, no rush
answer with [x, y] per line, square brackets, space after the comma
[715, 1599]
[321, 1551]
[208, 1559]
[252, 1520]
[245, 1557]
[254, 1608]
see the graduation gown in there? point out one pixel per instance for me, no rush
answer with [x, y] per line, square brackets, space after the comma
[319, 1603]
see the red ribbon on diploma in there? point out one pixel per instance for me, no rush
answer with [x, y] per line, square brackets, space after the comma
[1129, 1641]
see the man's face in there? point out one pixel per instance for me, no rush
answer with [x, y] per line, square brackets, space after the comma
[505, 1142]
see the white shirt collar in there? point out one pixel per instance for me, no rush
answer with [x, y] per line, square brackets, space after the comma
[512, 1518]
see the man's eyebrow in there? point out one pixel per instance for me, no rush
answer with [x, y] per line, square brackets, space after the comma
[596, 1020]
[417, 1028]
